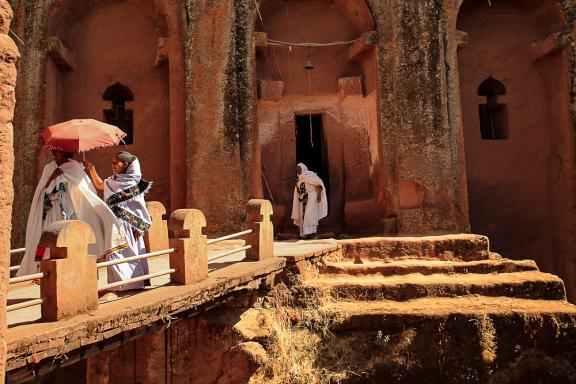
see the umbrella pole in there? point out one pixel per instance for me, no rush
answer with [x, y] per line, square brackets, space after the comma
[83, 156]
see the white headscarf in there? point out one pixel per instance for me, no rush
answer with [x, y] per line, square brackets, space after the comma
[122, 181]
[309, 177]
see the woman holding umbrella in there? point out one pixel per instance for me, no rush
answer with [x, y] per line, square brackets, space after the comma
[65, 192]
[124, 193]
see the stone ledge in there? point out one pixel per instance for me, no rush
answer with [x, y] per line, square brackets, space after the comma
[38, 341]
[297, 257]
[464, 247]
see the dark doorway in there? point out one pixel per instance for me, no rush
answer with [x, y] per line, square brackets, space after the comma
[310, 143]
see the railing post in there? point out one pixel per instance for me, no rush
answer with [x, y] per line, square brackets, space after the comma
[156, 238]
[71, 284]
[258, 214]
[191, 256]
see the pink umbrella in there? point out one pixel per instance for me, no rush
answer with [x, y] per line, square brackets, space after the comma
[81, 135]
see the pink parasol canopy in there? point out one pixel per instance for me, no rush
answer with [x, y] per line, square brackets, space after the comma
[81, 135]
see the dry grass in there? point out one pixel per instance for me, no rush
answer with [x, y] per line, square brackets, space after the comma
[303, 350]
[487, 336]
[299, 354]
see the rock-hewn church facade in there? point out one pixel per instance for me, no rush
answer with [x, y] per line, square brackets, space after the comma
[422, 117]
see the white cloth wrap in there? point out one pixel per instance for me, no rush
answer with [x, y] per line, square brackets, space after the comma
[136, 206]
[86, 206]
[315, 211]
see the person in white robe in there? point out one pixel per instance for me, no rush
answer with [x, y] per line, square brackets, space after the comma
[310, 204]
[124, 193]
[65, 192]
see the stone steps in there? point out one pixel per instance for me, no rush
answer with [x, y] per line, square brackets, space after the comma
[466, 339]
[441, 309]
[533, 285]
[425, 267]
[384, 314]
[460, 247]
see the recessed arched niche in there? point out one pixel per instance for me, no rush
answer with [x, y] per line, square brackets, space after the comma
[519, 150]
[317, 104]
[114, 61]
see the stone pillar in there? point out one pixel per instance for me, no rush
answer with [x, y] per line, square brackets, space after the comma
[8, 56]
[29, 114]
[569, 265]
[454, 40]
[156, 238]
[220, 135]
[71, 286]
[191, 257]
[414, 124]
[261, 239]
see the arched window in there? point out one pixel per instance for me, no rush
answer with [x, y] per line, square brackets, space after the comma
[118, 115]
[493, 116]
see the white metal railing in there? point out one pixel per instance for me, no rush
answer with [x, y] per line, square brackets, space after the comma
[25, 304]
[21, 279]
[188, 258]
[139, 278]
[228, 237]
[228, 253]
[136, 279]
[34, 276]
[134, 258]
[13, 252]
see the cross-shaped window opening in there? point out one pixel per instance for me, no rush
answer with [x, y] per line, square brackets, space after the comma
[118, 115]
[493, 116]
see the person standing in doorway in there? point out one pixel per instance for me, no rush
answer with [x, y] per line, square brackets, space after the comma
[310, 204]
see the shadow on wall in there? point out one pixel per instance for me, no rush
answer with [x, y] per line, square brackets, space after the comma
[518, 131]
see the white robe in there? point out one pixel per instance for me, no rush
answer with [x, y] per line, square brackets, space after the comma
[308, 219]
[80, 202]
[136, 206]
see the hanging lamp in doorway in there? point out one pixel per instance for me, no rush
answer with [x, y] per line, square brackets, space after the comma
[309, 66]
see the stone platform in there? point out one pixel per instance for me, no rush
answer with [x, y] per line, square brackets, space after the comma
[404, 310]
[442, 310]
[31, 340]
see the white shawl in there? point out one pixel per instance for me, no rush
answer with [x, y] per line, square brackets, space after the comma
[87, 206]
[314, 210]
[132, 203]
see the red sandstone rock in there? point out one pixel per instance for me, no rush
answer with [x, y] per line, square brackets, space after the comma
[261, 239]
[191, 256]
[411, 194]
[5, 17]
[71, 285]
[8, 56]
[242, 361]
[350, 86]
[270, 90]
[156, 237]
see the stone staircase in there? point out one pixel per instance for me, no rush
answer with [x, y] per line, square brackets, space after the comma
[447, 310]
